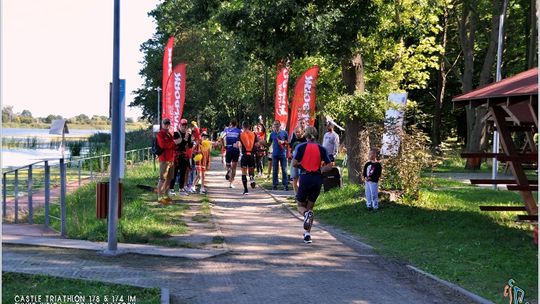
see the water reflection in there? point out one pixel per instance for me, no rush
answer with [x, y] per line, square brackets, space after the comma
[21, 147]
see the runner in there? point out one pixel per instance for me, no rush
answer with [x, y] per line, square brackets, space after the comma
[247, 163]
[232, 153]
[308, 158]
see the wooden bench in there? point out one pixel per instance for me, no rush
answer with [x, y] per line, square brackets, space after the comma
[503, 208]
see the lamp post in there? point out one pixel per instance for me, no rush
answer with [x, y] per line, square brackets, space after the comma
[114, 180]
[158, 102]
[498, 77]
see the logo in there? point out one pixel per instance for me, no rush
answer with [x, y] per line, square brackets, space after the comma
[282, 92]
[177, 95]
[516, 294]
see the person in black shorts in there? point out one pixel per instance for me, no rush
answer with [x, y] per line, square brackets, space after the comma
[247, 140]
[308, 158]
[232, 135]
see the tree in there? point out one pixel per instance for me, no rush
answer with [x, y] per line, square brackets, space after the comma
[26, 113]
[7, 113]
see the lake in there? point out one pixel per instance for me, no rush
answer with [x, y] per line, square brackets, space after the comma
[20, 157]
[25, 133]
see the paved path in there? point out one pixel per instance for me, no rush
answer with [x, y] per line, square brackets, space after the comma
[267, 261]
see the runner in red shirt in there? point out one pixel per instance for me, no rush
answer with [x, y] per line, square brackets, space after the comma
[308, 157]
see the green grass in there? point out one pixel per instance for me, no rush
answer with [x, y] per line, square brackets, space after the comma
[142, 221]
[446, 234]
[12, 286]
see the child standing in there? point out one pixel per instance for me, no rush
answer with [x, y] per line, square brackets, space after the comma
[202, 162]
[371, 173]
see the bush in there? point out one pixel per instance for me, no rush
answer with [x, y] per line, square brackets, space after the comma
[403, 171]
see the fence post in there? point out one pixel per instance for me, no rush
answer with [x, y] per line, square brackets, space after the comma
[30, 207]
[16, 192]
[62, 198]
[91, 167]
[100, 164]
[47, 191]
[79, 165]
[4, 195]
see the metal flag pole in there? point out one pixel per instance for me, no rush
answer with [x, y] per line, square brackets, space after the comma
[158, 104]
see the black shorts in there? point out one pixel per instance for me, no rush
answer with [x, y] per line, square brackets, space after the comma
[247, 161]
[309, 187]
[232, 155]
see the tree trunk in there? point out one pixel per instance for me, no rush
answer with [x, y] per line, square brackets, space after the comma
[532, 37]
[353, 78]
[441, 88]
[265, 95]
[467, 30]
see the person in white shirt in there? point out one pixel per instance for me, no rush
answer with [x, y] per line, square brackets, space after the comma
[331, 142]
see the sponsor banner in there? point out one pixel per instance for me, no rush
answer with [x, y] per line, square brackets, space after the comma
[173, 105]
[167, 69]
[393, 124]
[281, 109]
[303, 103]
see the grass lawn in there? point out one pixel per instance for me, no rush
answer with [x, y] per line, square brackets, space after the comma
[445, 233]
[143, 219]
[47, 285]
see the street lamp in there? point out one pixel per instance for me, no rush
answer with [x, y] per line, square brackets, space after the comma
[158, 102]
[498, 77]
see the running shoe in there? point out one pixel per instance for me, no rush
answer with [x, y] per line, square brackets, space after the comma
[252, 183]
[308, 220]
[171, 192]
[227, 176]
[307, 238]
[231, 185]
[202, 190]
[245, 192]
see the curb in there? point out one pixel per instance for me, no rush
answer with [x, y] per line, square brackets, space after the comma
[452, 286]
[165, 296]
[339, 234]
[123, 248]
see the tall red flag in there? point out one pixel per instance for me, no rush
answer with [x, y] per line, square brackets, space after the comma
[303, 103]
[167, 70]
[281, 110]
[175, 95]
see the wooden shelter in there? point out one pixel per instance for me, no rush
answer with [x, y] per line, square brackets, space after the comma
[512, 105]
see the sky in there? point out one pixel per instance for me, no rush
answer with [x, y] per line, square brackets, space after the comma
[57, 54]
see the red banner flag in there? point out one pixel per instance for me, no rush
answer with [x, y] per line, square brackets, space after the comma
[167, 70]
[175, 95]
[281, 111]
[303, 103]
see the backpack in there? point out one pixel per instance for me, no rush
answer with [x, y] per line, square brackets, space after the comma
[156, 149]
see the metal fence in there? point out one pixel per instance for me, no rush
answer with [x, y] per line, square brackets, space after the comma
[43, 186]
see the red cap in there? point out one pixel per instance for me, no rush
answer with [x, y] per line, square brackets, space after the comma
[183, 121]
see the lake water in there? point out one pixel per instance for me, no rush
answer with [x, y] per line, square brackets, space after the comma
[25, 133]
[21, 157]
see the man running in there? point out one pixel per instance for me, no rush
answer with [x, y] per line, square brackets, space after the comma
[247, 162]
[232, 153]
[308, 157]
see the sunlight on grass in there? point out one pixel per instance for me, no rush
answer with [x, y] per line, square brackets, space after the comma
[143, 219]
[444, 233]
